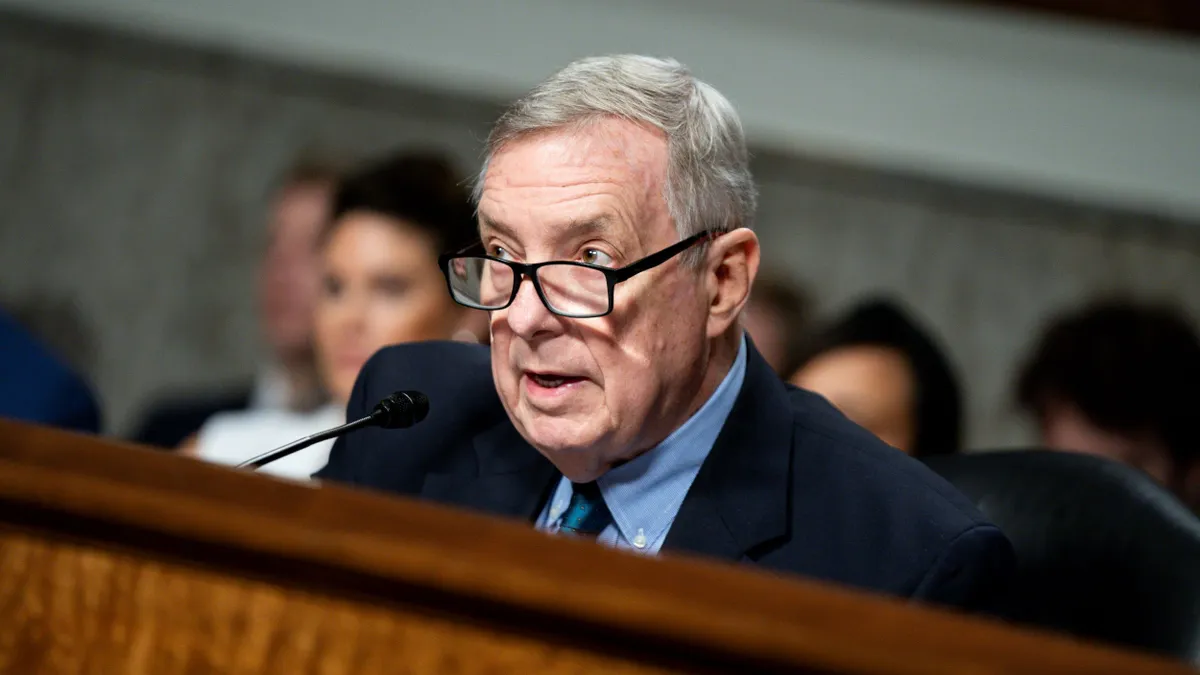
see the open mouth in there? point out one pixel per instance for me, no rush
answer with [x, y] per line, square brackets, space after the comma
[552, 380]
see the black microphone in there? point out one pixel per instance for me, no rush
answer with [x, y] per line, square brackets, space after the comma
[398, 411]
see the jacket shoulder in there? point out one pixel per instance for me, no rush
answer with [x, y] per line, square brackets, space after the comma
[894, 521]
[432, 365]
[457, 379]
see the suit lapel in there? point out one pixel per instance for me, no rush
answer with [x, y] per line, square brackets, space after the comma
[740, 499]
[508, 477]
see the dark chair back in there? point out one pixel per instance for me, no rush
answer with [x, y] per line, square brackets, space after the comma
[1104, 551]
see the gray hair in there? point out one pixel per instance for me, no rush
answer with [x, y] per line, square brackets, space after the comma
[708, 183]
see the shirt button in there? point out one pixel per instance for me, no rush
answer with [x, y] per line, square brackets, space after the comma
[639, 540]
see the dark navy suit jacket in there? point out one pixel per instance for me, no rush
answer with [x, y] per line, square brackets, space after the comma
[171, 421]
[36, 386]
[790, 485]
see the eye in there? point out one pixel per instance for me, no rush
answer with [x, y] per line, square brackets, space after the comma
[331, 286]
[594, 256]
[392, 286]
[499, 252]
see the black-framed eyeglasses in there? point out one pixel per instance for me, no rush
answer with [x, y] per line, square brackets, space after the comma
[575, 290]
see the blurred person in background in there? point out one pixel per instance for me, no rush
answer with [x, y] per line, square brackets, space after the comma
[287, 287]
[38, 386]
[778, 318]
[1120, 379]
[887, 374]
[380, 285]
[57, 322]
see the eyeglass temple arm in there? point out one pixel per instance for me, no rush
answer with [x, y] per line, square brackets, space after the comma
[656, 259]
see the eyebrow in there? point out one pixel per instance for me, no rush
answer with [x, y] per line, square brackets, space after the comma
[486, 223]
[574, 229]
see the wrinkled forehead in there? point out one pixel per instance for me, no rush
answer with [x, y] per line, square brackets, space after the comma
[609, 174]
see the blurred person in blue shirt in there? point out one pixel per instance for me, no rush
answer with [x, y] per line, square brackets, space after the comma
[37, 386]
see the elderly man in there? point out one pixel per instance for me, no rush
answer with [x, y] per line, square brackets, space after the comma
[622, 400]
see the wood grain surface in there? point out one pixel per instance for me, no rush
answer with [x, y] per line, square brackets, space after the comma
[117, 559]
[67, 608]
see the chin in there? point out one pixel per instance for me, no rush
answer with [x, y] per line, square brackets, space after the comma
[556, 436]
[577, 445]
[341, 396]
[340, 388]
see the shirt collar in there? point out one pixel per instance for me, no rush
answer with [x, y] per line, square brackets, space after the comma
[644, 494]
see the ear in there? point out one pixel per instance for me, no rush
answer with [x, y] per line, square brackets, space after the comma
[732, 264]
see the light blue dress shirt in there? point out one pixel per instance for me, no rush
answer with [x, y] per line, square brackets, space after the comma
[644, 494]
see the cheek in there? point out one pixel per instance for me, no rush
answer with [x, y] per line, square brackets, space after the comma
[321, 322]
[652, 330]
[410, 318]
[501, 341]
[645, 362]
[657, 314]
[328, 317]
[504, 374]
[341, 385]
[671, 333]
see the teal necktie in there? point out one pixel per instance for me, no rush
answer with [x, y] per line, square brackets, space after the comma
[587, 514]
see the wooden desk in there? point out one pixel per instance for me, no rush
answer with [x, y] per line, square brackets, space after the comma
[119, 559]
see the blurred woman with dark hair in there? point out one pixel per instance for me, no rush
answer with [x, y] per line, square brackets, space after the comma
[380, 285]
[887, 374]
[1118, 378]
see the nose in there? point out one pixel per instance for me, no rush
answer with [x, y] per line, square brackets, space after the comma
[528, 317]
[351, 317]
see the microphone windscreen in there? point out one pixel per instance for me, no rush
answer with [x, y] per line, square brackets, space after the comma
[420, 405]
[401, 410]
